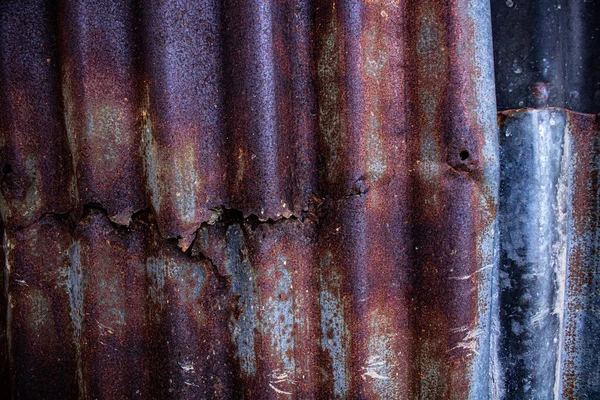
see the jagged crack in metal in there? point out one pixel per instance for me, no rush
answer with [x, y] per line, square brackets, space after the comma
[300, 199]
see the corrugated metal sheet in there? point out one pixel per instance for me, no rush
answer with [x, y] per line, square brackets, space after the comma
[549, 277]
[305, 199]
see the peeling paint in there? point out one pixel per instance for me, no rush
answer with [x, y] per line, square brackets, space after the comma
[75, 288]
[333, 328]
[278, 316]
[380, 368]
[243, 285]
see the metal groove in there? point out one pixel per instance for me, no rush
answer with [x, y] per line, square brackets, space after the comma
[301, 199]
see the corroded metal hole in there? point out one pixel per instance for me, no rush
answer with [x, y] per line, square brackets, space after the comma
[464, 155]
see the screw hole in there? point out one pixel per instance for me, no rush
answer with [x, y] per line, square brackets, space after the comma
[7, 169]
[464, 155]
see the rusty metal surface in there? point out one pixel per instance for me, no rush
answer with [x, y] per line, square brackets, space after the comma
[37, 173]
[264, 199]
[580, 362]
[4, 364]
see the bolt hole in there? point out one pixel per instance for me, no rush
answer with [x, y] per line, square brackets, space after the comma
[7, 169]
[464, 155]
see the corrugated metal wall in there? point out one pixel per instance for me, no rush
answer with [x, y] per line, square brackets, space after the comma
[299, 199]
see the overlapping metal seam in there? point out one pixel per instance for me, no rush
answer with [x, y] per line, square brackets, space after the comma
[332, 174]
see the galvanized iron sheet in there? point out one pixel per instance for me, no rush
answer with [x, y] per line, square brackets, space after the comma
[548, 277]
[547, 53]
[265, 199]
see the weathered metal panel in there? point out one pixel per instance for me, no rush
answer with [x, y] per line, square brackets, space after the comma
[188, 312]
[99, 79]
[4, 364]
[534, 218]
[548, 275]
[42, 352]
[182, 109]
[109, 286]
[366, 325]
[36, 164]
[301, 199]
[580, 353]
[547, 53]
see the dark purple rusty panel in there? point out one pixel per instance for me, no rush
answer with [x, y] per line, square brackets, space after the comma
[188, 308]
[4, 365]
[364, 300]
[109, 287]
[182, 113]
[363, 244]
[269, 102]
[333, 167]
[443, 146]
[454, 197]
[228, 111]
[100, 90]
[430, 128]
[42, 352]
[281, 259]
[35, 162]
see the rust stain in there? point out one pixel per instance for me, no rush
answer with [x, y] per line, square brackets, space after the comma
[259, 199]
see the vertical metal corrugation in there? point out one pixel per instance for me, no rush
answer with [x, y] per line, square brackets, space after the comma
[4, 362]
[41, 328]
[454, 199]
[547, 53]
[101, 100]
[580, 365]
[301, 199]
[36, 163]
[183, 105]
[230, 110]
[109, 302]
[548, 275]
[534, 217]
